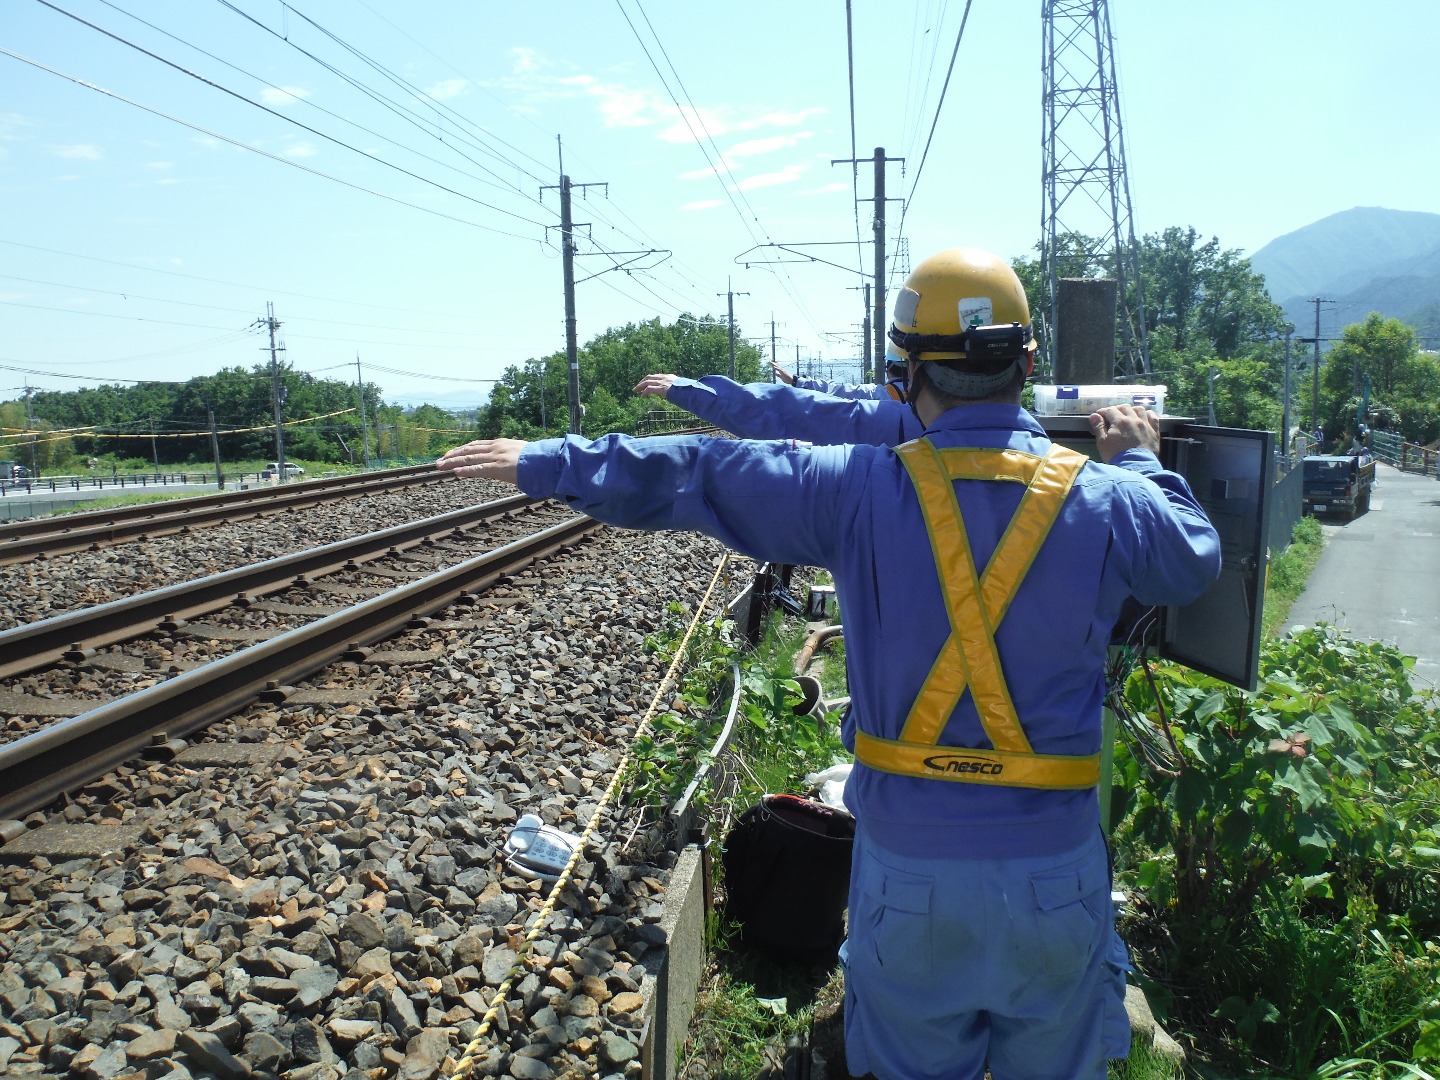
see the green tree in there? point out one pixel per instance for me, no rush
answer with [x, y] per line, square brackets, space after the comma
[1207, 312]
[1381, 355]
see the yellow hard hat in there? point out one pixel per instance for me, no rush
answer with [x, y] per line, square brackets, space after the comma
[962, 304]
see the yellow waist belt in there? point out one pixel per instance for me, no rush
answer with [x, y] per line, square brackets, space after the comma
[969, 659]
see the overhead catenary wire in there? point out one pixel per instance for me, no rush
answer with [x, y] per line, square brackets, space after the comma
[935, 123]
[783, 276]
[378, 98]
[281, 116]
[510, 188]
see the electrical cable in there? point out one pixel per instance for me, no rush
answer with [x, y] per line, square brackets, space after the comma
[281, 116]
[939, 105]
[398, 110]
[509, 188]
[786, 282]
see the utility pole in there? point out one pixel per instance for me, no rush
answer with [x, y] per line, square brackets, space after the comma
[1315, 367]
[572, 347]
[215, 446]
[730, 295]
[34, 455]
[364, 424]
[866, 325]
[567, 265]
[1285, 404]
[772, 347]
[878, 227]
[277, 391]
[154, 448]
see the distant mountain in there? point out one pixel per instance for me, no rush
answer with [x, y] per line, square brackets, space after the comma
[1365, 259]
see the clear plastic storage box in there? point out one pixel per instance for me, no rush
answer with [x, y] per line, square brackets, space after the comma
[1067, 400]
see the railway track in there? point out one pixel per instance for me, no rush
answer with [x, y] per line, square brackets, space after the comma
[39, 768]
[50, 536]
[314, 886]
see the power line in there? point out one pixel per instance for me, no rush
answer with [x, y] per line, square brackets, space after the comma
[510, 188]
[374, 95]
[253, 149]
[280, 116]
[939, 105]
[786, 282]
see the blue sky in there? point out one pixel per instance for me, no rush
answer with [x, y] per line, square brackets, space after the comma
[383, 173]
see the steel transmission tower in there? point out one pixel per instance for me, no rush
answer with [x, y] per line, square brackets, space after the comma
[1086, 227]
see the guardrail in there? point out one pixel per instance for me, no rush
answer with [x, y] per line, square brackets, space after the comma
[30, 484]
[1406, 456]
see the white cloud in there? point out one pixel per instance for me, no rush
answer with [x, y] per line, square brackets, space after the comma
[787, 175]
[698, 174]
[752, 147]
[703, 204]
[526, 60]
[449, 88]
[78, 152]
[298, 150]
[161, 165]
[12, 123]
[826, 189]
[281, 96]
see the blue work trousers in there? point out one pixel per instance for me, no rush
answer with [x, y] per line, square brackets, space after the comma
[955, 965]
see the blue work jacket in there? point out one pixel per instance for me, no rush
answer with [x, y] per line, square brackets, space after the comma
[858, 391]
[777, 411]
[1126, 529]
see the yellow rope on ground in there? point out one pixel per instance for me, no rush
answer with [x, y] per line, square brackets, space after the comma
[467, 1060]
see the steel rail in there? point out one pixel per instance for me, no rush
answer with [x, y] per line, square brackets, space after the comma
[74, 635]
[41, 767]
[75, 532]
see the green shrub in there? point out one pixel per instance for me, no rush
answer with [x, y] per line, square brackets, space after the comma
[1292, 856]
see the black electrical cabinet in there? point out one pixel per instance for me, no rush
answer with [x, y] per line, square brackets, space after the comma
[1230, 470]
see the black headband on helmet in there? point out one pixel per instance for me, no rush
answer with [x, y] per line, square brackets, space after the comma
[980, 344]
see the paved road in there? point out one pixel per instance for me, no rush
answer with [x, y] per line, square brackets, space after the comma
[1379, 576]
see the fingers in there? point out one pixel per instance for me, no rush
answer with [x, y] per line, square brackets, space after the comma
[657, 385]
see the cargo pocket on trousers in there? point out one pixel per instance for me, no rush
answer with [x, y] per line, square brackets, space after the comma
[1068, 913]
[895, 907]
[1115, 1029]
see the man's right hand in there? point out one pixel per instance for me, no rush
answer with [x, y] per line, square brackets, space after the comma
[781, 374]
[1124, 427]
[655, 385]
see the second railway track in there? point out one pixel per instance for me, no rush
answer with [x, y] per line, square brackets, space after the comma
[314, 887]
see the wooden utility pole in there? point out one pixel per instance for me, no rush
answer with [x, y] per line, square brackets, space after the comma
[878, 321]
[730, 310]
[215, 446]
[572, 347]
[364, 425]
[567, 265]
[277, 389]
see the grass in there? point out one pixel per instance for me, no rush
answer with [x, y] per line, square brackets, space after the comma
[1289, 572]
[111, 502]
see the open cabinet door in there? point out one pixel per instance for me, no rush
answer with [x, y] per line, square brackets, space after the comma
[1230, 472]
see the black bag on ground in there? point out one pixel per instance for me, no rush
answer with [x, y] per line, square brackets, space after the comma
[787, 877]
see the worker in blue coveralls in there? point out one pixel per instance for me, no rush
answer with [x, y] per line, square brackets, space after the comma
[897, 381]
[981, 932]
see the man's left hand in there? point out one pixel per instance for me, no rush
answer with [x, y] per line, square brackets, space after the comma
[486, 459]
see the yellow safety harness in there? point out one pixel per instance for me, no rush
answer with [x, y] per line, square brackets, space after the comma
[976, 604]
